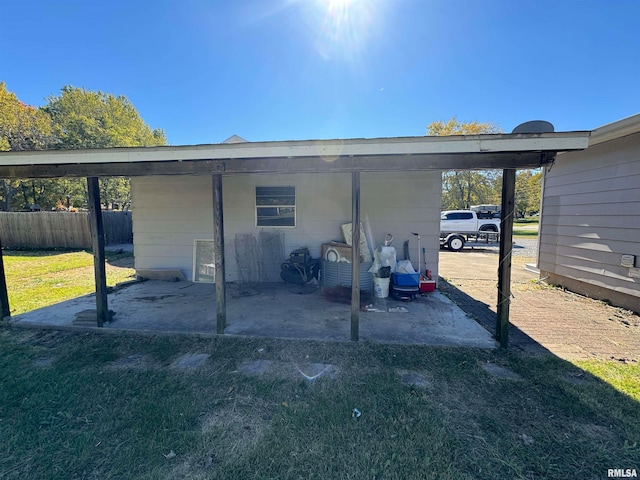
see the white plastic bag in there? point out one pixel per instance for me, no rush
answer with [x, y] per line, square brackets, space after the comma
[383, 256]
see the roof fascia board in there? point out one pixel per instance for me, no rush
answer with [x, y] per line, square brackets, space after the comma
[621, 128]
[548, 142]
[405, 163]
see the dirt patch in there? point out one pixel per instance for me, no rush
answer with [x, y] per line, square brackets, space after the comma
[544, 319]
[229, 432]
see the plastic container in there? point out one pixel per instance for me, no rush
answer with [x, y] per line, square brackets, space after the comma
[427, 285]
[406, 279]
[381, 287]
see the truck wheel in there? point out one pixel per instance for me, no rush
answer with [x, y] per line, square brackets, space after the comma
[455, 244]
[489, 228]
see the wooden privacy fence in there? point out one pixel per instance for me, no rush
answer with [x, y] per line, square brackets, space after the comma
[61, 229]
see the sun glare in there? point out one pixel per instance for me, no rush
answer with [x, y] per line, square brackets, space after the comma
[346, 25]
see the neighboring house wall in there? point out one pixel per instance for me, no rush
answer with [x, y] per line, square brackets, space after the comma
[170, 212]
[590, 218]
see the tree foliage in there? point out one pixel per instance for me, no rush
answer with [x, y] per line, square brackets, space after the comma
[528, 190]
[87, 119]
[461, 189]
[22, 127]
[77, 118]
[455, 127]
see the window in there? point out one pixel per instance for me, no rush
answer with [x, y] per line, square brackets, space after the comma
[457, 216]
[204, 269]
[275, 206]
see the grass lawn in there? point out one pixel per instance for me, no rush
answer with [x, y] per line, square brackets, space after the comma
[89, 405]
[104, 405]
[37, 278]
[526, 228]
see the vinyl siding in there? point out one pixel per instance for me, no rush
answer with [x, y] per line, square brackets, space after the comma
[591, 215]
[170, 212]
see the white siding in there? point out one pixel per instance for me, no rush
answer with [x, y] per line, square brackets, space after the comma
[169, 212]
[401, 203]
[591, 215]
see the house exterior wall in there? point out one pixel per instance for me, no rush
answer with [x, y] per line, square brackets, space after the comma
[170, 212]
[590, 218]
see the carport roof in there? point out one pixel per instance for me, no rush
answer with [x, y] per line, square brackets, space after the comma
[372, 154]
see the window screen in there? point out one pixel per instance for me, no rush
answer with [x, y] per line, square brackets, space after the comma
[276, 206]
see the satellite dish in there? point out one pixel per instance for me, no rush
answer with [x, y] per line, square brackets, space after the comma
[534, 126]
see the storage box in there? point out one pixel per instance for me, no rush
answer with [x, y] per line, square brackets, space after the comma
[406, 279]
[427, 285]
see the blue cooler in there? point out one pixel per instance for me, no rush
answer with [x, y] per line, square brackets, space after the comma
[405, 286]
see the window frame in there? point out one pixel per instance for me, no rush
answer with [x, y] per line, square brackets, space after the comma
[197, 276]
[284, 205]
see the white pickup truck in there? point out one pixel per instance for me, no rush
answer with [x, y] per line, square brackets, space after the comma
[458, 226]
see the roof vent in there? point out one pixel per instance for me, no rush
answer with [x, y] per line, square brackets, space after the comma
[534, 126]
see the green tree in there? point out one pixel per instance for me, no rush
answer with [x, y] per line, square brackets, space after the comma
[23, 127]
[77, 118]
[88, 119]
[528, 190]
[455, 127]
[461, 189]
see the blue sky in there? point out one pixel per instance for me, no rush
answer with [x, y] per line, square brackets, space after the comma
[315, 69]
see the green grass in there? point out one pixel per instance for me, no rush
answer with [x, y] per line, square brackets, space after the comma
[70, 408]
[623, 377]
[39, 278]
[518, 232]
[526, 228]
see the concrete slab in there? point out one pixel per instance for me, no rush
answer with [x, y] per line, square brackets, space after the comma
[413, 379]
[43, 362]
[190, 361]
[272, 310]
[256, 367]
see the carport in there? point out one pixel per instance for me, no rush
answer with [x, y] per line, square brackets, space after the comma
[508, 152]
